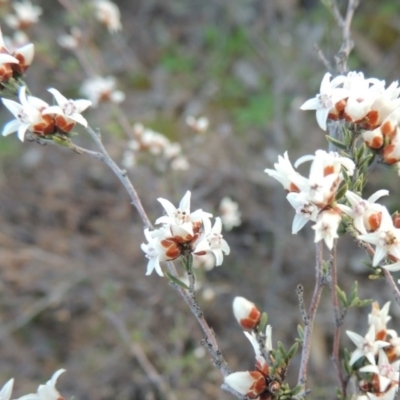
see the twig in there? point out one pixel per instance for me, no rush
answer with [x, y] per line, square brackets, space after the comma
[309, 323]
[347, 43]
[390, 281]
[338, 319]
[137, 351]
[121, 175]
[103, 155]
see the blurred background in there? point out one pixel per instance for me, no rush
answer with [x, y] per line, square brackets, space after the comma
[73, 290]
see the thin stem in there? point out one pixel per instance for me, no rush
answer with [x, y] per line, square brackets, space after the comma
[390, 281]
[347, 43]
[121, 175]
[338, 319]
[309, 321]
[209, 340]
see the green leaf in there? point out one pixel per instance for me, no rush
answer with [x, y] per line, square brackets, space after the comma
[336, 143]
[342, 191]
[366, 160]
[353, 293]
[292, 351]
[342, 296]
[263, 322]
[282, 350]
[300, 332]
[177, 281]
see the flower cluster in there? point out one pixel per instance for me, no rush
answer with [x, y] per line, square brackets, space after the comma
[183, 232]
[99, 89]
[44, 392]
[367, 104]
[314, 198]
[26, 15]
[376, 359]
[157, 144]
[36, 116]
[265, 382]
[14, 63]
[375, 226]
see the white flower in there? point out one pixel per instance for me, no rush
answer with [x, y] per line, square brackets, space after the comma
[284, 173]
[365, 213]
[99, 89]
[366, 346]
[387, 373]
[230, 214]
[180, 220]
[26, 14]
[213, 241]
[5, 392]
[70, 109]
[305, 210]
[322, 183]
[326, 227]
[47, 391]
[26, 115]
[108, 13]
[363, 93]
[332, 162]
[386, 239]
[154, 252]
[328, 96]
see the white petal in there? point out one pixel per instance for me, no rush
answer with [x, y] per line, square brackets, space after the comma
[6, 58]
[5, 392]
[12, 106]
[298, 223]
[22, 131]
[168, 206]
[11, 127]
[311, 104]
[322, 116]
[79, 119]
[53, 110]
[240, 381]
[60, 99]
[377, 195]
[392, 267]
[82, 104]
[185, 202]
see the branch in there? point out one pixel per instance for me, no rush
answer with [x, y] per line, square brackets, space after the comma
[342, 56]
[309, 320]
[210, 340]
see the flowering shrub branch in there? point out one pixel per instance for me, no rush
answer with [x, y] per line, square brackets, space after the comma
[363, 120]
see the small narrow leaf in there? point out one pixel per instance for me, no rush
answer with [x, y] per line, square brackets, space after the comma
[335, 142]
[263, 322]
[292, 351]
[342, 296]
[177, 281]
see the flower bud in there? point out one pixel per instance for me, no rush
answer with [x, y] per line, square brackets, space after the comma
[248, 383]
[246, 313]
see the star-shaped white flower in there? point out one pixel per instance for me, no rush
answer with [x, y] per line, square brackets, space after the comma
[284, 173]
[213, 242]
[386, 239]
[366, 346]
[153, 251]
[329, 95]
[26, 115]
[361, 210]
[305, 210]
[71, 109]
[326, 227]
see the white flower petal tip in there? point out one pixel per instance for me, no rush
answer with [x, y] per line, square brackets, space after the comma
[5, 392]
[246, 313]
